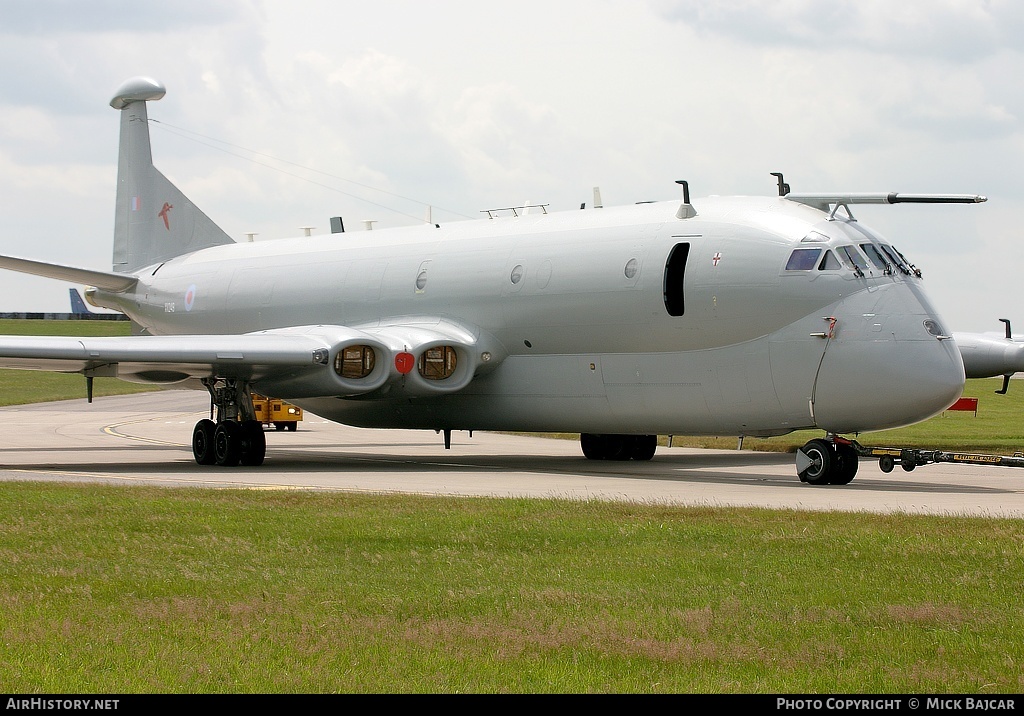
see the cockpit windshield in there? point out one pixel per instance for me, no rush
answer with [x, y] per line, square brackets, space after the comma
[876, 257]
[880, 257]
[852, 258]
[803, 259]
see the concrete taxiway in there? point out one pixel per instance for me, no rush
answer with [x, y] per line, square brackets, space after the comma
[145, 439]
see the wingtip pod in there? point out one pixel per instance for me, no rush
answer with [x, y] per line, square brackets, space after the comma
[137, 89]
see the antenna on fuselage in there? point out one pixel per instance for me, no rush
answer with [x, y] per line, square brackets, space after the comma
[686, 210]
[783, 186]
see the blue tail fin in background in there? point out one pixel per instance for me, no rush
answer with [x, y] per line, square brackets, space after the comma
[77, 303]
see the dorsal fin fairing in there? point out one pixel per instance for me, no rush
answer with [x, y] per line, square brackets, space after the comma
[154, 220]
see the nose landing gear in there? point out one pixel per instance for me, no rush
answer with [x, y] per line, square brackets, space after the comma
[831, 461]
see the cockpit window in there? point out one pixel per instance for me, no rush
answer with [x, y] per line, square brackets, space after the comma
[829, 262]
[897, 258]
[803, 259]
[913, 269]
[852, 258]
[876, 258]
[815, 236]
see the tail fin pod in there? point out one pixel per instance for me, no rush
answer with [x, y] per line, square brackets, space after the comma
[154, 220]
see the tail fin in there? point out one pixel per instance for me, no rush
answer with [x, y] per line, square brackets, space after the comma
[78, 303]
[154, 221]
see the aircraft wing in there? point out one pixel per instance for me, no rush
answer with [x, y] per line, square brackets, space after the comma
[295, 362]
[231, 356]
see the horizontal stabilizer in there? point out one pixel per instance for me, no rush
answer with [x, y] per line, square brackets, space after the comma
[115, 282]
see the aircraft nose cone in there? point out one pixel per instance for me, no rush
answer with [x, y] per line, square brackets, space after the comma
[891, 366]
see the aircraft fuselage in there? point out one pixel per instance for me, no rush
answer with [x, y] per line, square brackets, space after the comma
[613, 320]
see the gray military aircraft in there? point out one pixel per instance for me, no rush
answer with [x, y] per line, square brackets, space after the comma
[748, 316]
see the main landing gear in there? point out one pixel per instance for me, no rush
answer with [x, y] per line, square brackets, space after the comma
[831, 461]
[236, 437]
[618, 447]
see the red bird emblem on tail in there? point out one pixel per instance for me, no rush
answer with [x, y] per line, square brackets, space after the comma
[165, 215]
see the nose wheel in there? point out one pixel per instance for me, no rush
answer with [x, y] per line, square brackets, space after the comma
[826, 462]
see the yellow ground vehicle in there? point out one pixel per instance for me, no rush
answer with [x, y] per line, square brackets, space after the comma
[280, 414]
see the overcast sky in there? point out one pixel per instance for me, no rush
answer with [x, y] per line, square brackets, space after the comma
[279, 115]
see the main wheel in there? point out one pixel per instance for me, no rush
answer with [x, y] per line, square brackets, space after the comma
[845, 468]
[254, 443]
[820, 455]
[202, 442]
[644, 447]
[227, 443]
[293, 426]
[592, 446]
[618, 447]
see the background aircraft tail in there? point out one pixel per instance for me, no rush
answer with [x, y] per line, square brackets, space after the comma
[77, 302]
[154, 220]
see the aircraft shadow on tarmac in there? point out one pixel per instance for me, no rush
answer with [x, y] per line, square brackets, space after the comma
[367, 458]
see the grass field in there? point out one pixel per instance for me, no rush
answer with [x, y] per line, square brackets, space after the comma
[149, 590]
[159, 590]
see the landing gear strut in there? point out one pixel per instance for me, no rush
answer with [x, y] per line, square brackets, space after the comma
[237, 436]
[831, 461]
[618, 447]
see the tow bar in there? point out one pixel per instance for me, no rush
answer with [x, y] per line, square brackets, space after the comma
[909, 458]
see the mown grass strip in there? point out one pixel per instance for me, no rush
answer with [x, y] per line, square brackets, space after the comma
[121, 590]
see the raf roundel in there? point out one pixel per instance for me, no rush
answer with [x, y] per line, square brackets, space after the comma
[190, 297]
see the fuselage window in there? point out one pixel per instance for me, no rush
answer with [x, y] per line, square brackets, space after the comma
[355, 362]
[829, 262]
[437, 363]
[675, 270]
[803, 259]
[852, 258]
[876, 258]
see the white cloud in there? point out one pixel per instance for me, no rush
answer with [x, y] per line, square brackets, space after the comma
[960, 30]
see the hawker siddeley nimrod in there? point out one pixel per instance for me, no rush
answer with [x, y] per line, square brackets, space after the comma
[742, 316]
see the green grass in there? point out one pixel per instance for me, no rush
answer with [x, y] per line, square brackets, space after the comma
[126, 590]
